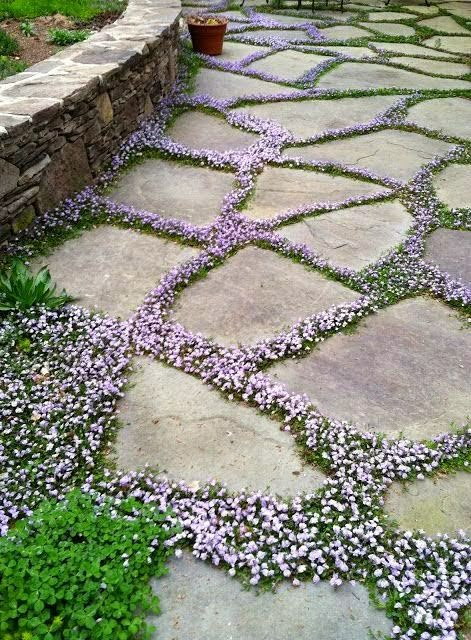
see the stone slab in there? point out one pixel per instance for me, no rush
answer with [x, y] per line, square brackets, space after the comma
[225, 86]
[389, 28]
[405, 369]
[190, 609]
[436, 505]
[282, 19]
[236, 51]
[279, 189]
[460, 9]
[450, 249]
[435, 115]
[455, 44]
[198, 130]
[444, 24]
[112, 269]
[422, 9]
[255, 295]
[354, 52]
[288, 65]
[151, 186]
[310, 117]
[439, 67]
[396, 154]
[378, 16]
[332, 14]
[358, 75]
[410, 49]
[191, 432]
[353, 237]
[288, 35]
[342, 32]
[452, 185]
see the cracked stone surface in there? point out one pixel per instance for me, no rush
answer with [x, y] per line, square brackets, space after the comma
[198, 130]
[268, 292]
[118, 279]
[443, 23]
[390, 28]
[190, 610]
[440, 67]
[373, 151]
[220, 84]
[151, 186]
[455, 44]
[294, 188]
[450, 249]
[344, 33]
[177, 423]
[379, 366]
[435, 114]
[436, 505]
[352, 237]
[288, 64]
[411, 49]
[356, 75]
[310, 117]
[452, 185]
[235, 51]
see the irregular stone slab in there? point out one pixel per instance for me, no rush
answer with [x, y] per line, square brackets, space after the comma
[460, 9]
[456, 44]
[405, 369]
[289, 19]
[390, 28]
[422, 9]
[289, 35]
[378, 16]
[344, 33]
[344, 16]
[396, 154]
[452, 185]
[358, 75]
[410, 49]
[191, 432]
[440, 67]
[254, 295]
[354, 52]
[445, 24]
[236, 51]
[279, 189]
[436, 505]
[450, 249]
[151, 186]
[353, 237]
[310, 117]
[288, 65]
[224, 86]
[198, 130]
[112, 269]
[190, 610]
[435, 115]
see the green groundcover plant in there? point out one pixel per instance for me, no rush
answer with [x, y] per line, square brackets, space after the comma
[78, 570]
[80, 9]
[8, 45]
[64, 37]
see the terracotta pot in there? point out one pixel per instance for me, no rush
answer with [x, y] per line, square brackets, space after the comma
[207, 38]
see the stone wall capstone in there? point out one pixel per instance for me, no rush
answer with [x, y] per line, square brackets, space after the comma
[62, 119]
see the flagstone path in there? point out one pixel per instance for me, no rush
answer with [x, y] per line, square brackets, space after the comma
[337, 194]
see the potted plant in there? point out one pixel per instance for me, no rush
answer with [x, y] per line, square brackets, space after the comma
[207, 33]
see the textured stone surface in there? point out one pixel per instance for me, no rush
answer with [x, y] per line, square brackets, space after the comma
[152, 186]
[459, 8]
[198, 130]
[378, 16]
[389, 28]
[113, 269]
[9, 175]
[396, 154]
[219, 84]
[190, 610]
[443, 23]
[309, 117]
[422, 9]
[436, 505]
[435, 114]
[289, 35]
[354, 52]
[344, 32]
[254, 295]
[278, 189]
[410, 49]
[450, 249]
[289, 19]
[191, 432]
[352, 237]
[455, 44]
[439, 67]
[405, 369]
[356, 75]
[235, 51]
[452, 185]
[289, 65]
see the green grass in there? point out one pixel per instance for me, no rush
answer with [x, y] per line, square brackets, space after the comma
[8, 45]
[78, 9]
[9, 67]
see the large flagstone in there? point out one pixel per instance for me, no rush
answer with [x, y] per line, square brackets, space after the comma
[439, 67]
[460, 9]
[310, 117]
[435, 115]
[450, 249]
[113, 269]
[406, 369]
[378, 16]
[191, 432]
[198, 130]
[254, 295]
[400, 48]
[389, 28]
[200, 602]
[346, 32]
[279, 189]
[452, 185]
[392, 153]
[352, 237]
[288, 35]
[222, 85]
[455, 44]
[354, 52]
[289, 19]
[236, 51]
[445, 24]
[153, 186]
[288, 65]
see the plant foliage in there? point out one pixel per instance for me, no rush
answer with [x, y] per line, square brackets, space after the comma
[8, 45]
[64, 37]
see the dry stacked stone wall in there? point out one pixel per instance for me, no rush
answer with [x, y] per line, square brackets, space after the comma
[62, 119]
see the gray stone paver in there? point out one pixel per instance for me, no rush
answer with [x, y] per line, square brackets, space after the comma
[236, 51]
[405, 369]
[390, 16]
[435, 115]
[444, 24]
[450, 249]
[290, 65]
[223, 85]
[439, 67]
[455, 44]
[190, 609]
[411, 50]
[461, 9]
[118, 279]
[389, 28]
[151, 186]
[289, 35]
[344, 33]
[452, 185]
[397, 154]
[354, 52]
[177, 423]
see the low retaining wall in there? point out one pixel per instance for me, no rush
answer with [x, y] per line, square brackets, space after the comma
[63, 118]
